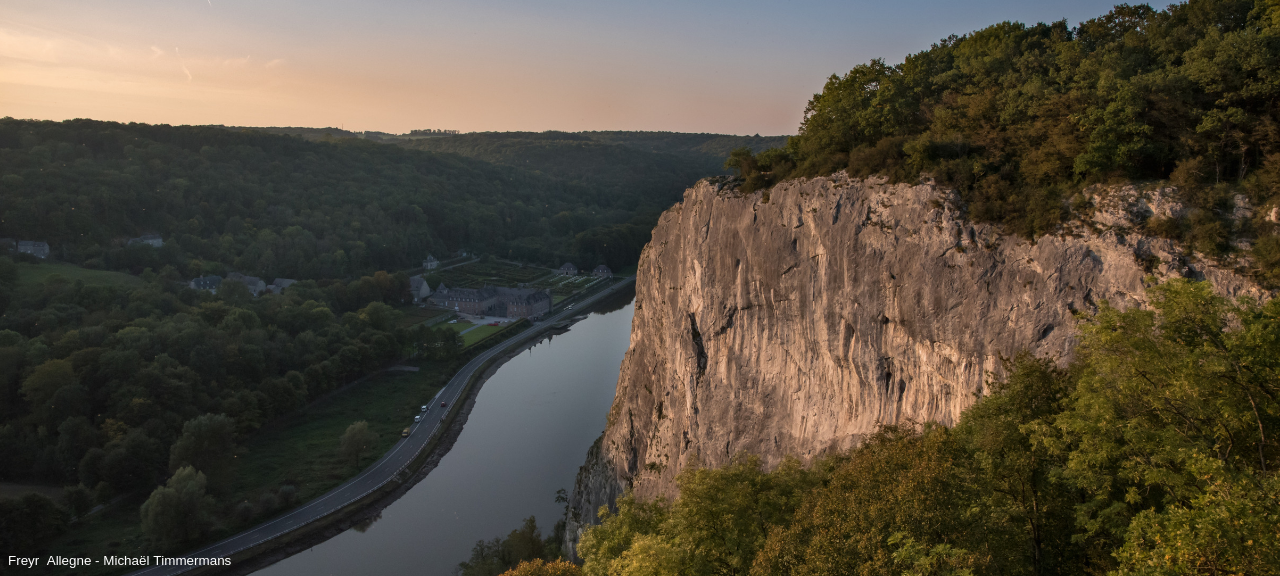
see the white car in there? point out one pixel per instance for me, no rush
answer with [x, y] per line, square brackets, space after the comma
[417, 418]
[424, 407]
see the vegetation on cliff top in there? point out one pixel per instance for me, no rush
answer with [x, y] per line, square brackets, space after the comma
[1018, 118]
[1154, 453]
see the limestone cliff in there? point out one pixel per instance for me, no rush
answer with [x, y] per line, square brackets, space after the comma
[799, 321]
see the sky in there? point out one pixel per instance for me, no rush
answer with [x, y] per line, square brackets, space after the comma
[742, 67]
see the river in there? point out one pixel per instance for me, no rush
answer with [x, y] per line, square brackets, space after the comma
[528, 433]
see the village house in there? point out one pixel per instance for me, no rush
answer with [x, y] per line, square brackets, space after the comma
[430, 263]
[568, 269]
[465, 300]
[209, 283]
[278, 286]
[255, 285]
[34, 248]
[523, 302]
[153, 240]
[602, 271]
[419, 288]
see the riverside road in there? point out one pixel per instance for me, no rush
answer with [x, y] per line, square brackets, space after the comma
[386, 468]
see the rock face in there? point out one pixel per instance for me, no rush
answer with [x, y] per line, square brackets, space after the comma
[800, 322]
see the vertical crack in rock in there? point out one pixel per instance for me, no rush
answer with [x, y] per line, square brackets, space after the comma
[699, 349]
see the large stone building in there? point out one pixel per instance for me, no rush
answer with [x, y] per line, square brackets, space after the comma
[602, 271]
[478, 301]
[493, 301]
[523, 302]
[568, 269]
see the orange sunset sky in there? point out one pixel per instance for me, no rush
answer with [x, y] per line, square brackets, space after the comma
[391, 65]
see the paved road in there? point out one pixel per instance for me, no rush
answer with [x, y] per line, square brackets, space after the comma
[386, 468]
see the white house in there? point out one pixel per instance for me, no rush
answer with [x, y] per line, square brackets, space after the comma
[149, 239]
[430, 263]
[210, 283]
[34, 248]
[419, 288]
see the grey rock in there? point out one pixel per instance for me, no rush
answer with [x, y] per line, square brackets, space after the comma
[800, 325]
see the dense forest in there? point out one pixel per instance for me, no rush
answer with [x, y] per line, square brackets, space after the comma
[661, 164]
[1154, 453]
[612, 160]
[126, 385]
[96, 380]
[274, 205]
[1020, 118]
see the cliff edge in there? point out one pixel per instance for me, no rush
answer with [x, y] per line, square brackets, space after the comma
[797, 320]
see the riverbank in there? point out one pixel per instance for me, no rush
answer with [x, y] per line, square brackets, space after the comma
[395, 469]
[531, 423]
[369, 511]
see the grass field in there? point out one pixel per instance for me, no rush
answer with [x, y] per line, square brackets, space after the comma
[300, 450]
[478, 334]
[29, 274]
[460, 325]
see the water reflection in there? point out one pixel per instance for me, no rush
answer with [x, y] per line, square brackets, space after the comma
[530, 430]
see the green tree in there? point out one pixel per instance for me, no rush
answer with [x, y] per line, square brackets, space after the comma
[356, 441]
[1018, 479]
[539, 567]
[208, 444]
[45, 381]
[1175, 409]
[179, 511]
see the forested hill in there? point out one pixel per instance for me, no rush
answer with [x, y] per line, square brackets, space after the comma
[275, 205]
[624, 163]
[686, 144]
[1021, 117]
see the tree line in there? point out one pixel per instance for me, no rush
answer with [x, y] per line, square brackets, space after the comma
[1019, 118]
[279, 206]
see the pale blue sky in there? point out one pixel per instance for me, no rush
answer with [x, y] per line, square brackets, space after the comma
[396, 65]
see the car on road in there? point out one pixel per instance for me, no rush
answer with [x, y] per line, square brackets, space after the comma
[442, 404]
[417, 418]
[405, 434]
[424, 407]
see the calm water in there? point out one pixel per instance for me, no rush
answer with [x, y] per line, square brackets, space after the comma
[528, 433]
